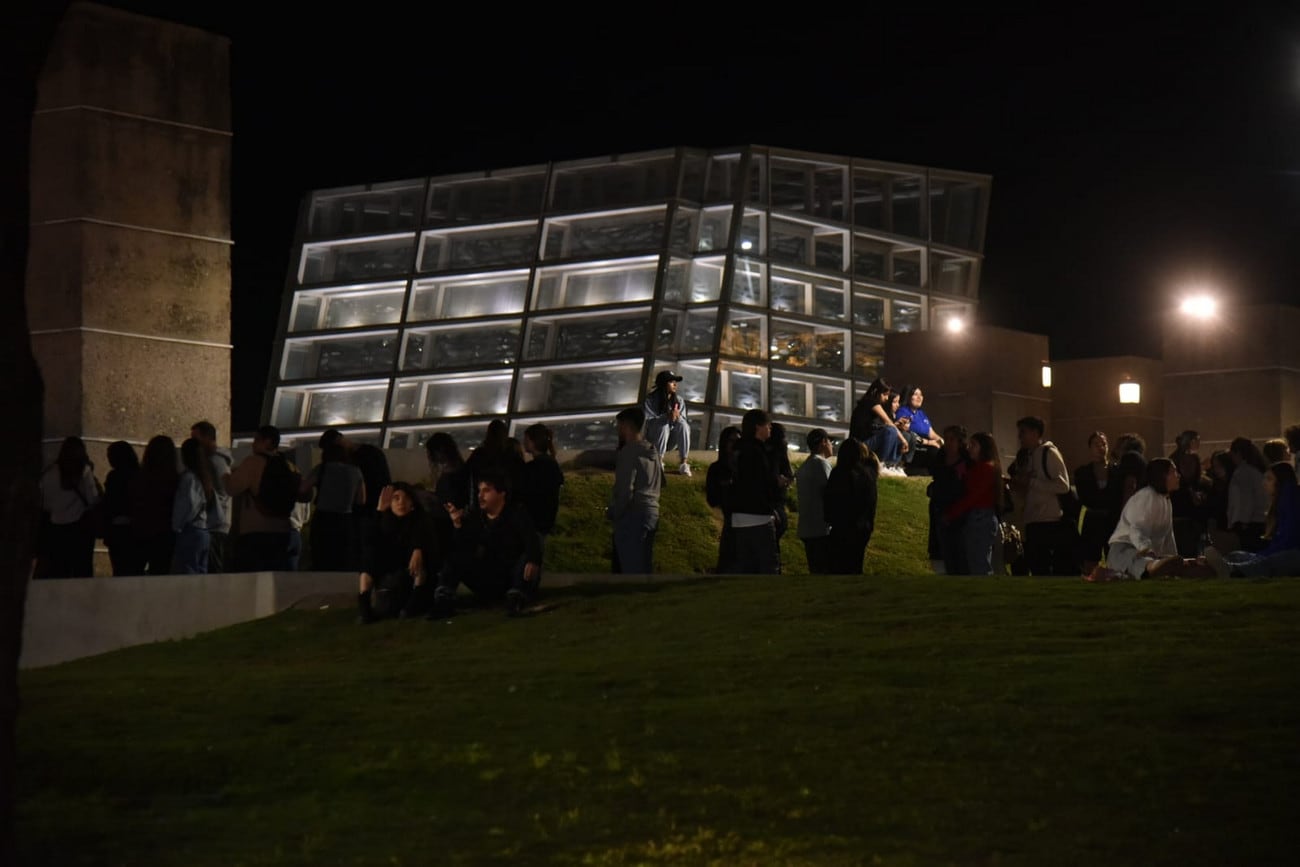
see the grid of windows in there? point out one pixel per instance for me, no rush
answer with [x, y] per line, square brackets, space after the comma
[555, 293]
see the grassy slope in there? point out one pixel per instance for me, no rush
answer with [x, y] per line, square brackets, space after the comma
[733, 721]
[687, 542]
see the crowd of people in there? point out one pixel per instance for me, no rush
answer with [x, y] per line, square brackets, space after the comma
[483, 521]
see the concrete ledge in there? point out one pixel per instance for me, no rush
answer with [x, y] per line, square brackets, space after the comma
[73, 618]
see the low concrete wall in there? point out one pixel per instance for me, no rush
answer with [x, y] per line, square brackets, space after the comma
[71, 618]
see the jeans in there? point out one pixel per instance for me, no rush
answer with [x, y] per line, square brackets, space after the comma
[219, 559]
[660, 431]
[885, 444]
[979, 534]
[1251, 565]
[634, 542]
[191, 554]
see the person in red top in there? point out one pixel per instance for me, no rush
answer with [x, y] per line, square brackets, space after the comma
[979, 503]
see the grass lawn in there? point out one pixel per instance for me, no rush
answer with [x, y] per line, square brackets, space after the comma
[687, 541]
[763, 720]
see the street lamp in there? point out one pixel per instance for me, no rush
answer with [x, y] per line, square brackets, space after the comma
[955, 324]
[1199, 306]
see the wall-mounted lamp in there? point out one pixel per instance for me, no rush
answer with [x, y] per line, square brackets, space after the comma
[1130, 392]
[1047, 376]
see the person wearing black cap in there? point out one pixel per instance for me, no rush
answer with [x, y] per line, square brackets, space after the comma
[665, 415]
[810, 482]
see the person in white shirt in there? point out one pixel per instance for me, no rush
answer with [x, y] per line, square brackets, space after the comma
[1143, 545]
[69, 493]
[1051, 545]
[810, 482]
[1247, 499]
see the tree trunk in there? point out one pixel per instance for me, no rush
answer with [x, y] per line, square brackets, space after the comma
[28, 31]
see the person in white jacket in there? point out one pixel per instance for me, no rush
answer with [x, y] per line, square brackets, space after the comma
[1051, 545]
[1143, 545]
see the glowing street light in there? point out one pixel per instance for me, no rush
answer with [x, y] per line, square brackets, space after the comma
[1199, 306]
[955, 325]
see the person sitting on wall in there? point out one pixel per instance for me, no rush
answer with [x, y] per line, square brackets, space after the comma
[871, 424]
[665, 414]
[925, 440]
[1281, 556]
[495, 551]
[400, 557]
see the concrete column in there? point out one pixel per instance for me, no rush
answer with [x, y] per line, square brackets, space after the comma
[128, 285]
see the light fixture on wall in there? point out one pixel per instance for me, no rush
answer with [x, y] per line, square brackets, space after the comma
[1130, 392]
[1047, 376]
[955, 324]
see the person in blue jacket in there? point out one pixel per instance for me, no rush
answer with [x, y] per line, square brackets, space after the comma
[928, 441]
[1281, 556]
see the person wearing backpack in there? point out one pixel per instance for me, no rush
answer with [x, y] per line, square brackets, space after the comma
[267, 485]
[1050, 543]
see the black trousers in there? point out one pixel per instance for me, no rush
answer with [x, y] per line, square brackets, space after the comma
[157, 552]
[847, 552]
[755, 551]
[333, 542]
[262, 552]
[487, 579]
[1051, 548]
[69, 551]
[818, 550]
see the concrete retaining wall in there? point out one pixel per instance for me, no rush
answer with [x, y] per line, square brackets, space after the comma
[71, 618]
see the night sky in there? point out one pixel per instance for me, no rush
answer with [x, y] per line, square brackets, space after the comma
[1132, 156]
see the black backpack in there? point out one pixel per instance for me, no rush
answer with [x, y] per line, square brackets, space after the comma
[278, 492]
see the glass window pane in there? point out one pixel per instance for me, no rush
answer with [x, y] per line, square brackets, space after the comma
[951, 274]
[749, 283]
[756, 183]
[789, 396]
[338, 356]
[829, 300]
[907, 266]
[905, 196]
[469, 295]
[604, 234]
[666, 332]
[375, 209]
[724, 177]
[629, 181]
[870, 257]
[352, 403]
[361, 259]
[347, 307]
[955, 208]
[869, 198]
[801, 344]
[745, 334]
[868, 356]
[455, 249]
[604, 335]
[599, 385]
[741, 386]
[592, 283]
[693, 281]
[904, 316]
[829, 401]
[789, 293]
[869, 311]
[576, 433]
[493, 199]
[461, 346]
[695, 380]
[753, 234]
[701, 326]
[451, 396]
[812, 188]
[715, 229]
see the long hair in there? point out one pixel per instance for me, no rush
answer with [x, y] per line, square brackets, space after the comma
[1158, 474]
[1284, 481]
[495, 438]
[988, 450]
[442, 449]
[1183, 442]
[542, 438]
[194, 460]
[727, 440]
[907, 392]
[878, 389]
[159, 460]
[72, 462]
[1245, 449]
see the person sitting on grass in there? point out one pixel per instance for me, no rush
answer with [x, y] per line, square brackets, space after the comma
[496, 551]
[1281, 556]
[1143, 545]
[401, 555]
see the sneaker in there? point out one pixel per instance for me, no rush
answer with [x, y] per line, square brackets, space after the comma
[444, 605]
[1215, 561]
[685, 469]
[515, 603]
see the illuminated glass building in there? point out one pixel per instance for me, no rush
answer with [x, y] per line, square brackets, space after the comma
[555, 293]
